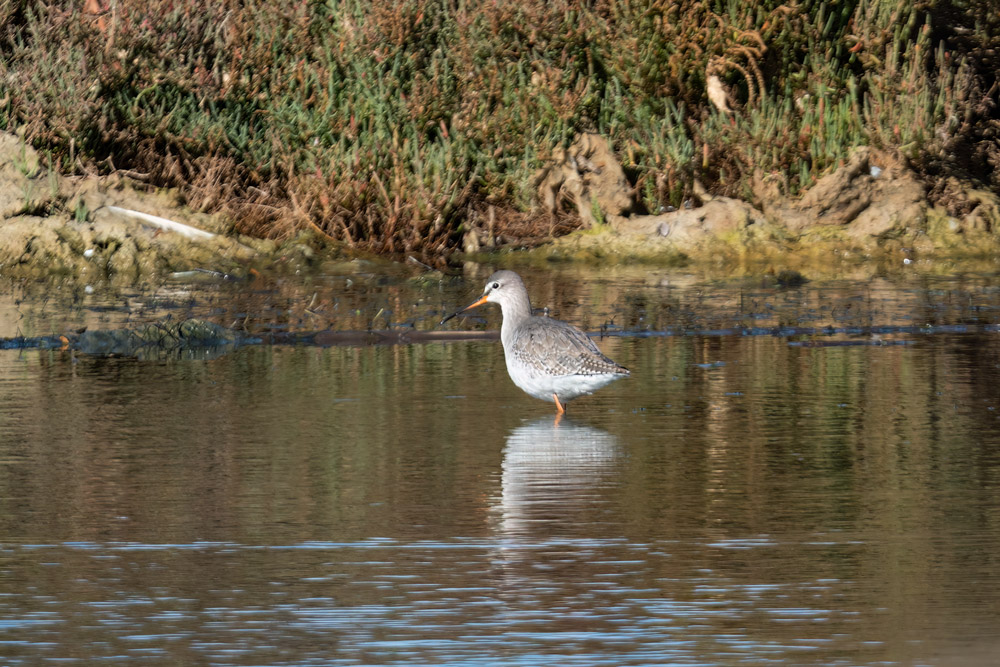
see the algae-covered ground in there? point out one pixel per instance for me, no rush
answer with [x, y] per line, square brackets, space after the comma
[670, 132]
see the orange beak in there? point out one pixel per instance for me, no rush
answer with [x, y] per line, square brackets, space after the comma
[478, 303]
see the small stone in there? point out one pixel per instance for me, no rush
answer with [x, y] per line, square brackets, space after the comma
[88, 253]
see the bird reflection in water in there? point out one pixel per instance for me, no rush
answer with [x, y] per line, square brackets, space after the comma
[558, 480]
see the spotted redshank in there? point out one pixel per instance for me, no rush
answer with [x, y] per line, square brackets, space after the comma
[547, 358]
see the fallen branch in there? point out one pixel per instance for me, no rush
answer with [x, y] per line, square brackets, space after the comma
[162, 223]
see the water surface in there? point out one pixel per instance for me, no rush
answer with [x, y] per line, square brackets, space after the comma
[791, 476]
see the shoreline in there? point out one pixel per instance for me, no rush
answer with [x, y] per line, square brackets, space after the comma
[112, 230]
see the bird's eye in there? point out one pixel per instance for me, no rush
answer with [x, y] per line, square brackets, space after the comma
[495, 286]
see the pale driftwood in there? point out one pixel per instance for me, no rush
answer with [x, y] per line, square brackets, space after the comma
[162, 223]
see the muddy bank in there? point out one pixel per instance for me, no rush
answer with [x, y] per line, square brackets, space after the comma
[114, 229]
[873, 207]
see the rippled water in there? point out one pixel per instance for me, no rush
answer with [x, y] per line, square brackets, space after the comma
[791, 476]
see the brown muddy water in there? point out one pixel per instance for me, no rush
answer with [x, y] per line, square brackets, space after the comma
[800, 476]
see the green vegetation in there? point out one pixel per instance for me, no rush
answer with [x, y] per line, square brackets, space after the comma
[385, 125]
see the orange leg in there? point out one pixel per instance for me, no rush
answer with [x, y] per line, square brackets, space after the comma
[559, 406]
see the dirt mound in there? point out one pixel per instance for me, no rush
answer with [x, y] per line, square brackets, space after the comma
[589, 175]
[102, 228]
[873, 202]
[864, 200]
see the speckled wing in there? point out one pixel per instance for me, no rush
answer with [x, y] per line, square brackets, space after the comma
[553, 348]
